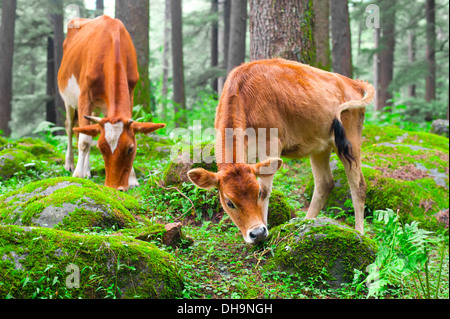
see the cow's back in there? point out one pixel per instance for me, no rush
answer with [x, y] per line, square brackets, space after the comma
[92, 48]
[297, 99]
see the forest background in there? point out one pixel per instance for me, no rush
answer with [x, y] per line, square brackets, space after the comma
[186, 48]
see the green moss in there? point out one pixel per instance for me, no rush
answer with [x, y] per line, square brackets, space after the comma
[86, 203]
[279, 209]
[416, 200]
[320, 250]
[150, 148]
[175, 172]
[150, 233]
[3, 141]
[403, 170]
[33, 264]
[373, 134]
[14, 160]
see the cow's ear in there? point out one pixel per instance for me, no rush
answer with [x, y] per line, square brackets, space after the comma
[268, 167]
[202, 178]
[91, 130]
[146, 127]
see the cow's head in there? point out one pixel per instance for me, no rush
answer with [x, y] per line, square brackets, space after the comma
[244, 193]
[117, 143]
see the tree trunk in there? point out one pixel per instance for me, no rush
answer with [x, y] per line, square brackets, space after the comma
[284, 29]
[214, 41]
[224, 39]
[387, 44]
[166, 55]
[376, 68]
[6, 61]
[238, 29]
[135, 16]
[50, 104]
[99, 7]
[411, 60]
[322, 34]
[341, 39]
[177, 63]
[57, 20]
[430, 85]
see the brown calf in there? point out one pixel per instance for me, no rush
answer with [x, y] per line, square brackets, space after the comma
[99, 70]
[314, 112]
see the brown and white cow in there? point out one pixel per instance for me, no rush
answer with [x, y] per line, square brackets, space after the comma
[314, 112]
[99, 71]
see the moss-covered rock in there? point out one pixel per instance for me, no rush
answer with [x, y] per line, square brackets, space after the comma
[15, 161]
[153, 146]
[3, 141]
[373, 134]
[279, 210]
[405, 171]
[321, 250]
[176, 171]
[169, 234]
[68, 203]
[46, 263]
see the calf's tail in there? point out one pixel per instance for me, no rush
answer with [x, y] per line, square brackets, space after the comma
[343, 145]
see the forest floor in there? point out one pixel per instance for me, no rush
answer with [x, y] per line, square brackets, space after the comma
[219, 264]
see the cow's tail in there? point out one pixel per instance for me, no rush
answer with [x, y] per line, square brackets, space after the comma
[343, 145]
[369, 93]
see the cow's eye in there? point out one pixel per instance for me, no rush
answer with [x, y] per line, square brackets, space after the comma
[130, 150]
[230, 204]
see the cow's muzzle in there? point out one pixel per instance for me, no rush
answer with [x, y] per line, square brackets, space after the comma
[258, 234]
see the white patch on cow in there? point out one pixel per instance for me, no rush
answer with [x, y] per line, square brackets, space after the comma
[71, 93]
[112, 134]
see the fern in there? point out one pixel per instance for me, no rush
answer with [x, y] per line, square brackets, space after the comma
[403, 259]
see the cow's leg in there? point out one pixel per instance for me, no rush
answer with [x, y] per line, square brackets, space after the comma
[358, 189]
[84, 147]
[353, 123]
[323, 182]
[84, 141]
[132, 180]
[70, 114]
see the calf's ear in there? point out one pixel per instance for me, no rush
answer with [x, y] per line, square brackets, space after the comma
[268, 167]
[203, 178]
[146, 127]
[91, 130]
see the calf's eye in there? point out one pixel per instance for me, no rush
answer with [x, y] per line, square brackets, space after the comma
[130, 150]
[230, 204]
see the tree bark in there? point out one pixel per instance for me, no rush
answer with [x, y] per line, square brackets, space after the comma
[135, 16]
[6, 61]
[387, 44]
[284, 29]
[238, 29]
[214, 41]
[166, 56]
[57, 19]
[224, 39]
[430, 82]
[411, 60]
[177, 63]
[50, 104]
[341, 39]
[322, 34]
[99, 7]
[376, 68]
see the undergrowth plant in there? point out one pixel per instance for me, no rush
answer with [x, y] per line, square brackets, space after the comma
[404, 260]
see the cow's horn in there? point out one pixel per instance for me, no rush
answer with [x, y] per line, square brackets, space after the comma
[94, 119]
